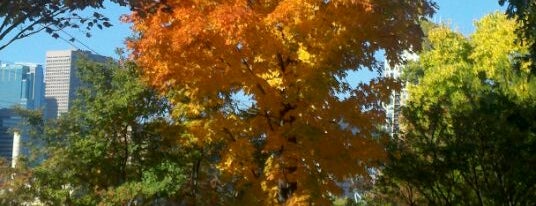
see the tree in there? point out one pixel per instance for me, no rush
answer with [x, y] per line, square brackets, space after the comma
[116, 146]
[302, 128]
[469, 123]
[524, 12]
[22, 18]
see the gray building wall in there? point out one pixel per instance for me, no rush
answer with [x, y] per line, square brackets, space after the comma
[62, 79]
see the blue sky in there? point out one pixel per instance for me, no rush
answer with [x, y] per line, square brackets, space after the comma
[460, 14]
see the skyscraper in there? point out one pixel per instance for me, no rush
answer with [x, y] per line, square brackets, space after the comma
[397, 98]
[20, 85]
[62, 79]
[38, 85]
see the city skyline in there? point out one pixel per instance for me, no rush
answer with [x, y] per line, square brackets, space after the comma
[25, 85]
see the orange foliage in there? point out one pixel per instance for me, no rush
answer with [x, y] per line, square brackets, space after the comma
[298, 137]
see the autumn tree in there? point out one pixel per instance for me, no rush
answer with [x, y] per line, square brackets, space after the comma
[469, 122]
[266, 79]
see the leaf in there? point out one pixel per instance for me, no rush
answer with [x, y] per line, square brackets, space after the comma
[106, 24]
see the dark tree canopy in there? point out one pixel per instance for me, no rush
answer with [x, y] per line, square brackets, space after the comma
[524, 11]
[22, 18]
[468, 127]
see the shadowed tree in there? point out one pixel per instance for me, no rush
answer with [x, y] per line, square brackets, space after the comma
[22, 18]
[116, 146]
[469, 124]
[524, 12]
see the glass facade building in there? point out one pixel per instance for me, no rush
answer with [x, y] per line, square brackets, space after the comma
[20, 85]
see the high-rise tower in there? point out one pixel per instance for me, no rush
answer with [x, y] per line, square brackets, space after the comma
[397, 98]
[62, 79]
[21, 84]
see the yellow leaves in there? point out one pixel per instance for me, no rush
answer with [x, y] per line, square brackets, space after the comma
[495, 49]
[273, 78]
[493, 42]
[455, 61]
[259, 59]
[238, 159]
[299, 200]
[198, 130]
[445, 42]
[305, 56]
[269, 184]
[271, 165]
[288, 12]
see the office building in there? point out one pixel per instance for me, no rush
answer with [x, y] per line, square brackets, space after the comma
[62, 79]
[397, 98]
[36, 73]
[20, 85]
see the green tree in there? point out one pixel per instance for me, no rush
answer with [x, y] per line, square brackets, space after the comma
[117, 145]
[469, 125]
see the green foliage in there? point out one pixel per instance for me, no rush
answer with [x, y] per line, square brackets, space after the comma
[469, 126]
[117, 145]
